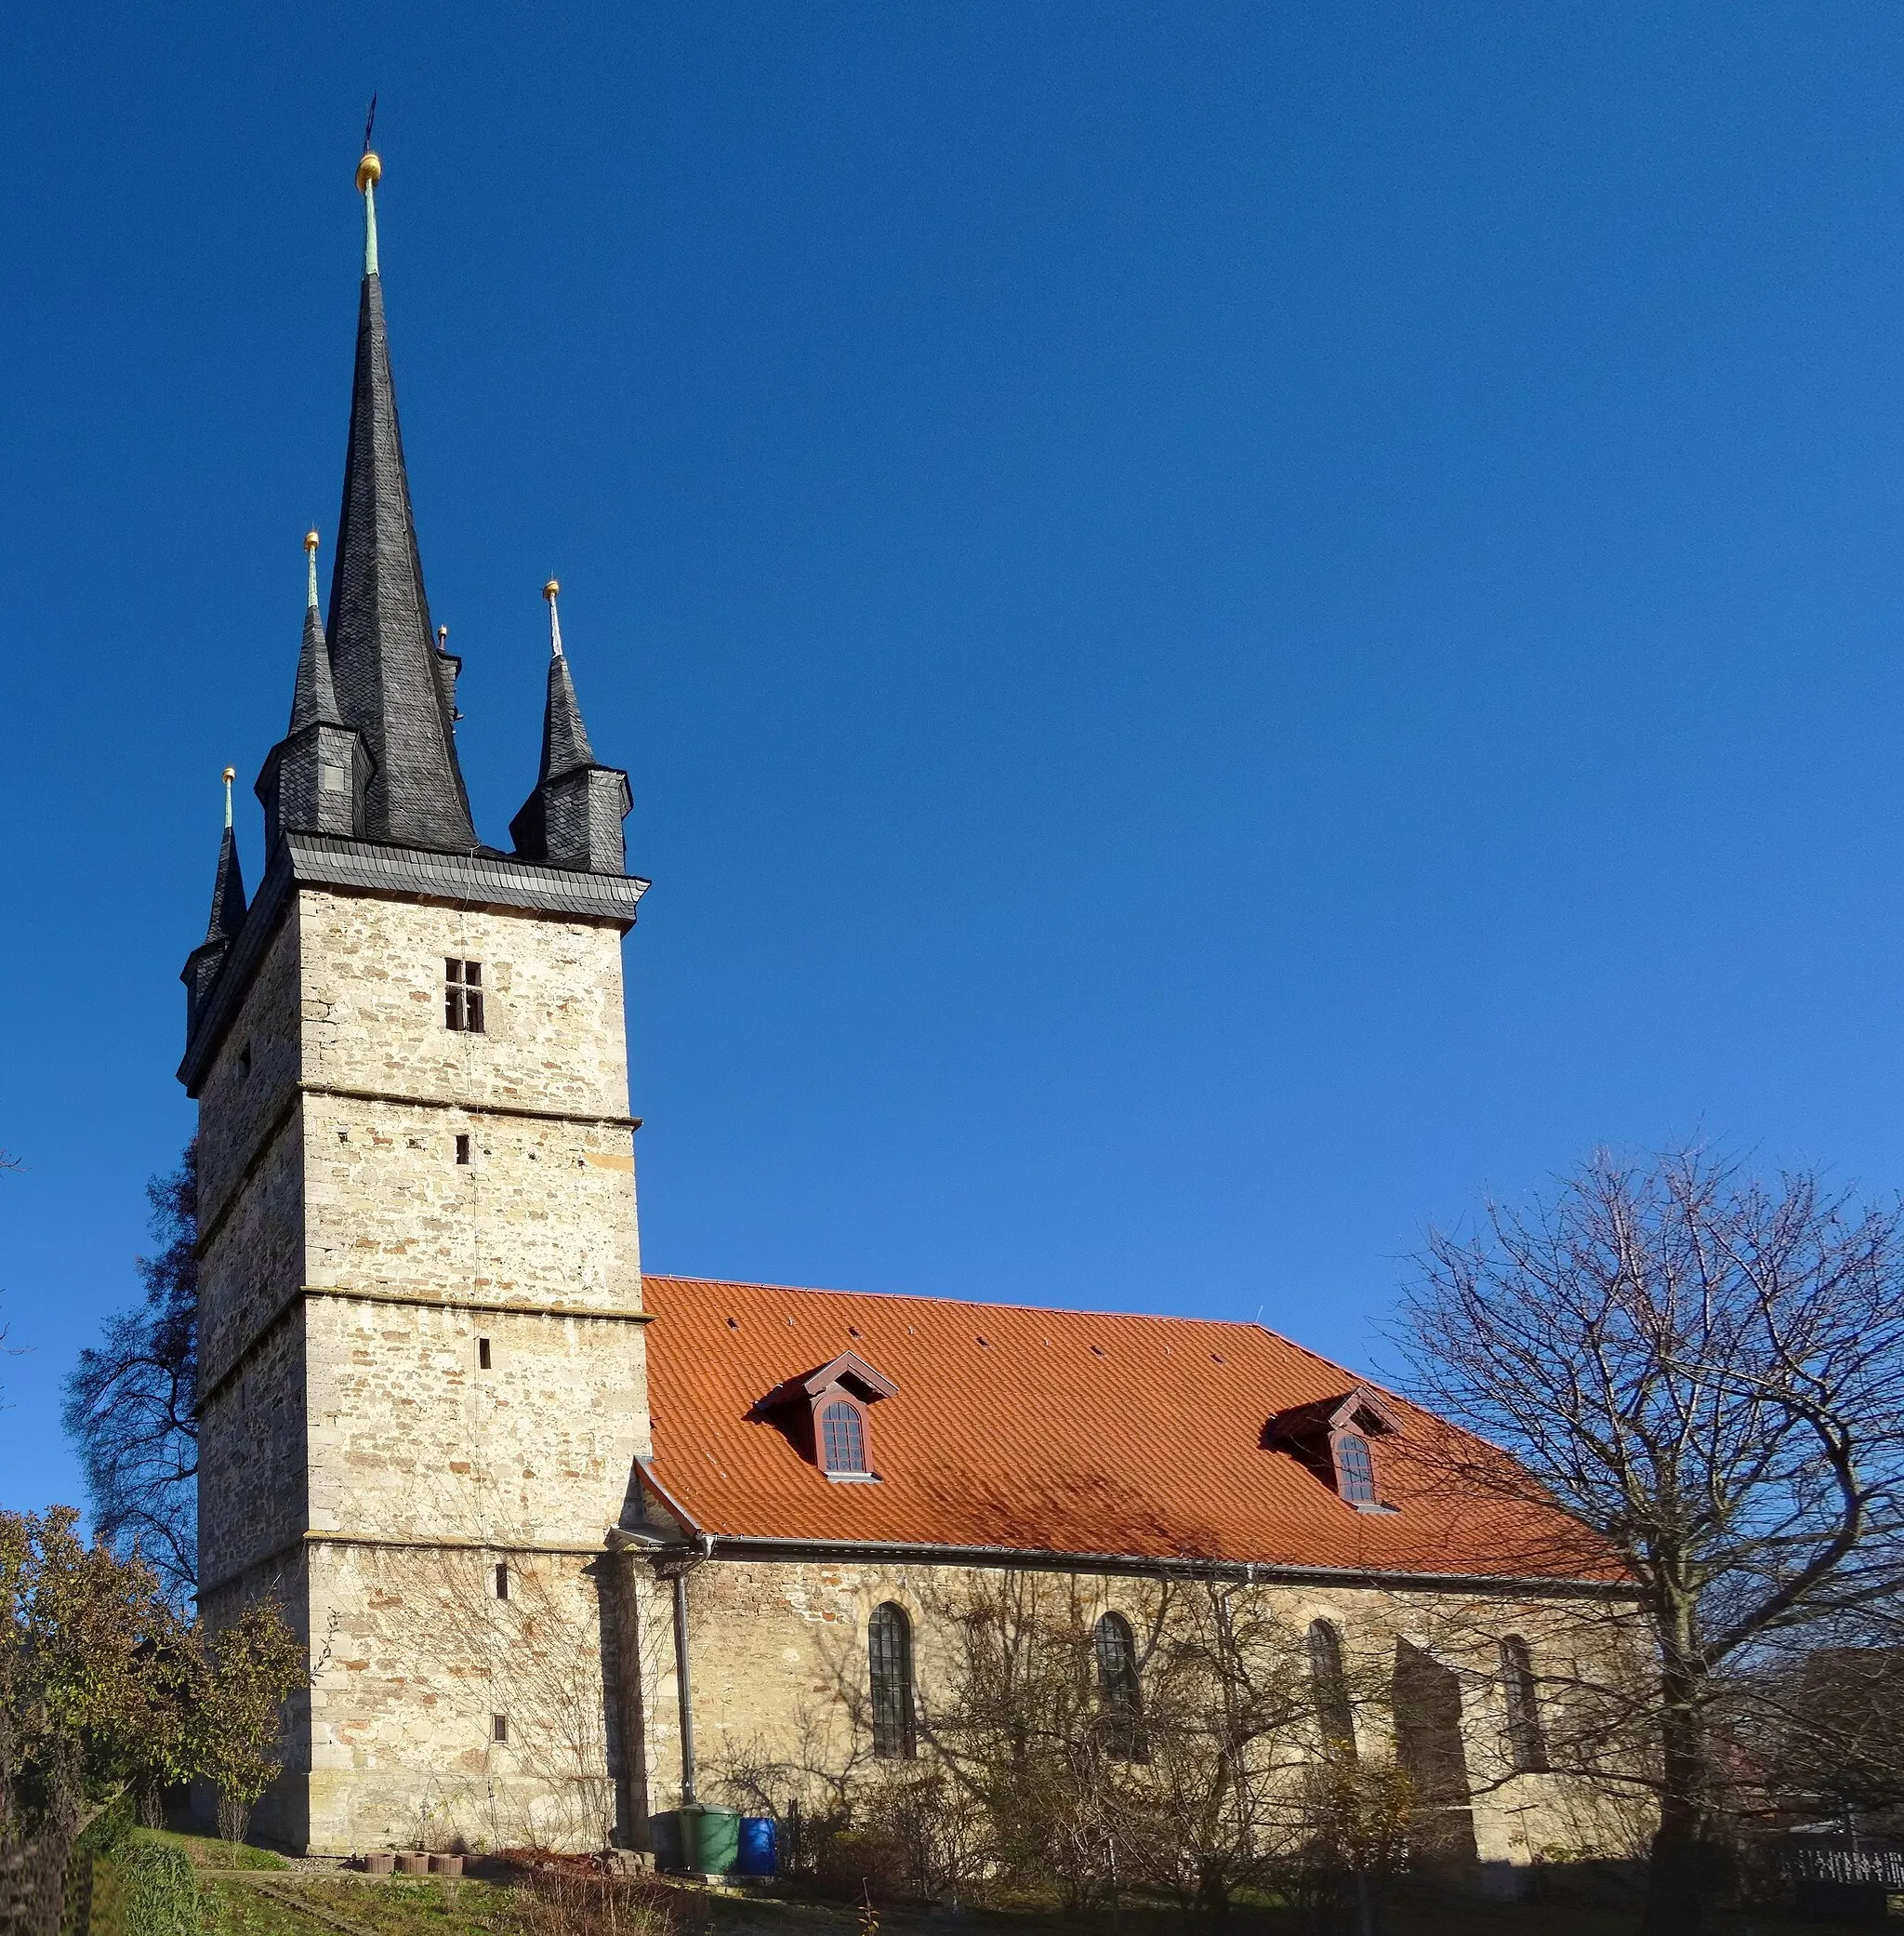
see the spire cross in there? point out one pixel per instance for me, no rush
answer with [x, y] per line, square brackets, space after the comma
[548, 591]
[369, 173]
[231, 774]
[311, 571]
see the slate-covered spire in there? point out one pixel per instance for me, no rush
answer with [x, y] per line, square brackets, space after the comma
[565, 738]
[574, 817]
[315, 779]
[314, 698]
[390, 684]
[228, 884]
[203, 964]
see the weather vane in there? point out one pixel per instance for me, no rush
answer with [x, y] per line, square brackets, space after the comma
[369, 123]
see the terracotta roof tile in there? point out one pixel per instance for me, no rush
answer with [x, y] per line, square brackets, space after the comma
[1046, 1431]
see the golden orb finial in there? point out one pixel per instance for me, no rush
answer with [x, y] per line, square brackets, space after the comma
[311, 540]
[368, 170]
[550, 589]
[230, 774]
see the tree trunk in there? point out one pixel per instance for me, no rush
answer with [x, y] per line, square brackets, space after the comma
[32, 1883]
[1689, 1864]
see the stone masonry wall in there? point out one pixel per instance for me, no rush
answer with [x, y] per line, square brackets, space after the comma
[779, 1651]
[363, 1458]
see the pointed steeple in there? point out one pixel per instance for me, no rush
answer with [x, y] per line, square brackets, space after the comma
[228, 884]
[388, 683]
[315, 778]
[203, 964]
[565, 738]
[315, 699]
[572, 820]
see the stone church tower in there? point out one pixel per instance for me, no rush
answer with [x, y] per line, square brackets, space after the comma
[423, 1381]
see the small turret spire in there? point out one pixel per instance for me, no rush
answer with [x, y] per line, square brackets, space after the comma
[228, 884]
[574, 817]
[314, 698]
[202, 965]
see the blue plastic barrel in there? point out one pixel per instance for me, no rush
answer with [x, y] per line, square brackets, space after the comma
[758, 1854]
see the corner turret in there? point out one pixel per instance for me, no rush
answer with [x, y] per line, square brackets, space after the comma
[574, 817]
[202, 965]
[313, 780]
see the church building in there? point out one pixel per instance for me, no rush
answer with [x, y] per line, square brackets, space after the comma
[571, 1547]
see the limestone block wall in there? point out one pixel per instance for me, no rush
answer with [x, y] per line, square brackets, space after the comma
[419, 1657]
[251, 1484]
[373, 1006]
[779, 1651]
[412, 1436]
[255, 1072]
[542, 1213]
[425, 1362]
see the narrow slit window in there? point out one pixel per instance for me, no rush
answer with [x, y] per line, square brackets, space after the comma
[462, 995]
[502, 1580]
[1120, 1692]
[483, 1353]
[1526, 1741]
[462, 1149]
[1329, 1689]
[498, 1727]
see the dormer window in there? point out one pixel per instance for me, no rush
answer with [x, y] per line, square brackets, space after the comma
[827, 1415]
[1331, 1437]
[843, 1437]
[1354, 1469]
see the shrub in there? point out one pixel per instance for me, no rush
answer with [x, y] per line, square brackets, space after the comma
[158, 1888]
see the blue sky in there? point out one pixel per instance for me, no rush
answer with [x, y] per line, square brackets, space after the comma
[1232, 623]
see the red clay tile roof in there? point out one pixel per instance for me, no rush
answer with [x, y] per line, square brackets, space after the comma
[1047, 1431]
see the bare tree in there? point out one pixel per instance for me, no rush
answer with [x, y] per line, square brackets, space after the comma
[131, 1401]
[1705, 1369]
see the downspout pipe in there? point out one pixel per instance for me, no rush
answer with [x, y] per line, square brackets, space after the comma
[684, 1672]
[684, 1687]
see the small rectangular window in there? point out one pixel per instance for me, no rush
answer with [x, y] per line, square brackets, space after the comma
[498, 1727]
[483, 1353]
[462, 995]
[462, 1149]
[502, 1581]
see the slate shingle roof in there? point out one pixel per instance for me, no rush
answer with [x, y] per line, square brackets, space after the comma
[390, 682]
[1050, 1431]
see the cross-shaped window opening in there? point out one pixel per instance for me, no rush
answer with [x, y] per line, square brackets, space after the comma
[462, 995]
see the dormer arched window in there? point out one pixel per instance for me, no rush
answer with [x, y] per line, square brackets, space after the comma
[826, 1415]
[1354, 1469]
[1332, 1436]
[842, 1436]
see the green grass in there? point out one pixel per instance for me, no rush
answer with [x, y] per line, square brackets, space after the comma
[434, 1908]
[208, 1852]
[403, 1907]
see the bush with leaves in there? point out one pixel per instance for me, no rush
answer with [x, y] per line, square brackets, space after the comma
[106, 1690]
